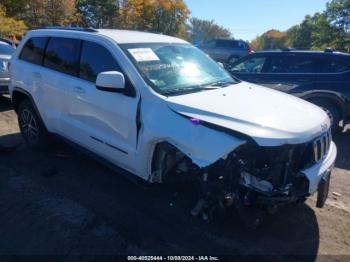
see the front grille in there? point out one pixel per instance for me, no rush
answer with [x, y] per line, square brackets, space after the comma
[321, 146]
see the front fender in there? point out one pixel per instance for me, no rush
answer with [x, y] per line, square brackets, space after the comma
[203, 145]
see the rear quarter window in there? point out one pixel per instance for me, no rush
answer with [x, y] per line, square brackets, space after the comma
[62, 54]
[33, 50]
[332, 65]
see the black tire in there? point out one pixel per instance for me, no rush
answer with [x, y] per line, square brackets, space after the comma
[323, 191]
[332, 112]
[32, 128]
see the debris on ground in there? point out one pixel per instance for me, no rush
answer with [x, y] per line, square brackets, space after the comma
[336, 194]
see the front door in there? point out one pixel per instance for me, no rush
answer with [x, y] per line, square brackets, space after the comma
[104, 122]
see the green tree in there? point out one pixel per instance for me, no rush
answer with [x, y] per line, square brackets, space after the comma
[338, 12]
[37, 13]
[325, 35]
[203, 30]
[272, 39]
[10, 26]
[98, 13]
[300, 36]
[13, 7]
[163, 16]
[59, 12]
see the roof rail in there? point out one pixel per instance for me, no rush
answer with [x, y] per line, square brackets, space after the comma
[328, 50]
[288, 49]
[70, 28]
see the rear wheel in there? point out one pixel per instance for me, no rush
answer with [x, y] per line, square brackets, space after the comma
[31, 126]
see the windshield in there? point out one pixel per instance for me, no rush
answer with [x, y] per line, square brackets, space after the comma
[172, 69]
[6, 49]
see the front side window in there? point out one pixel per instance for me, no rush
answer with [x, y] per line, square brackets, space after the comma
[62, 54]
[175, 68]
[33, 50]
[94, 60]
[252, 65]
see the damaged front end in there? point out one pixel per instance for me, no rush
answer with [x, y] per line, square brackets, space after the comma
[259, 177]
[252, 177]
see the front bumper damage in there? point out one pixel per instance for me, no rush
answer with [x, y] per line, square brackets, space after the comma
[267, 183]
[316, 172]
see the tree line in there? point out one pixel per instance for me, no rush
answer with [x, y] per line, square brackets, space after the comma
[329, 29]
[171, 17]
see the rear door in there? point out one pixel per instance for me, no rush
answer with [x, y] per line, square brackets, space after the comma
[288, 72]
[104, 122]
[59, 75]
[333, 73]
[29, 74]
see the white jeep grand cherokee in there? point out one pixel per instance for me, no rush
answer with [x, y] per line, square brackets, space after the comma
[161, 109]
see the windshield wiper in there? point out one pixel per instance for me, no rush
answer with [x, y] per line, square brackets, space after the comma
[188, 90]
[222, 83]
[198, 88]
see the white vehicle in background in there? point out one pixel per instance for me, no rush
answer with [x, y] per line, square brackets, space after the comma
[161, 109]
[6, 50]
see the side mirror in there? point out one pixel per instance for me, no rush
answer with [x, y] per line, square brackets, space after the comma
[111, 81]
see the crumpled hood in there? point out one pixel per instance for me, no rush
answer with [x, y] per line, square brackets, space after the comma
[270, 117]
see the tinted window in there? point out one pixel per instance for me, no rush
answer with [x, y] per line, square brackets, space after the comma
[230, 44]
[94, 60]
[331, 65]
[62, 55]
[291, 64]
[252, 65]
[33, 50]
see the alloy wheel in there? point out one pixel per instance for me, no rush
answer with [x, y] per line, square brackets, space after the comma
[29, 125]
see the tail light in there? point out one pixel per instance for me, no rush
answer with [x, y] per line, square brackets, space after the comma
[250, 50]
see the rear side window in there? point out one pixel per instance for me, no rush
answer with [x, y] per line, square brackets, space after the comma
[94, 60]
[251, 65]
[223, 43]
[291, 64]
[62, 54]
[33, 50]
[230, 44]
[331, 65]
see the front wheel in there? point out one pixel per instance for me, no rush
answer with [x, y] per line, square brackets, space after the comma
[332, 113]
[31, 126]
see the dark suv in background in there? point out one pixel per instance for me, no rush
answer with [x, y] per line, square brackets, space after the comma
[225, 50]
[323, 78]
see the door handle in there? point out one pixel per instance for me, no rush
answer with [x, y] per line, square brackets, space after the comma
[37, 75]
[79, 90]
